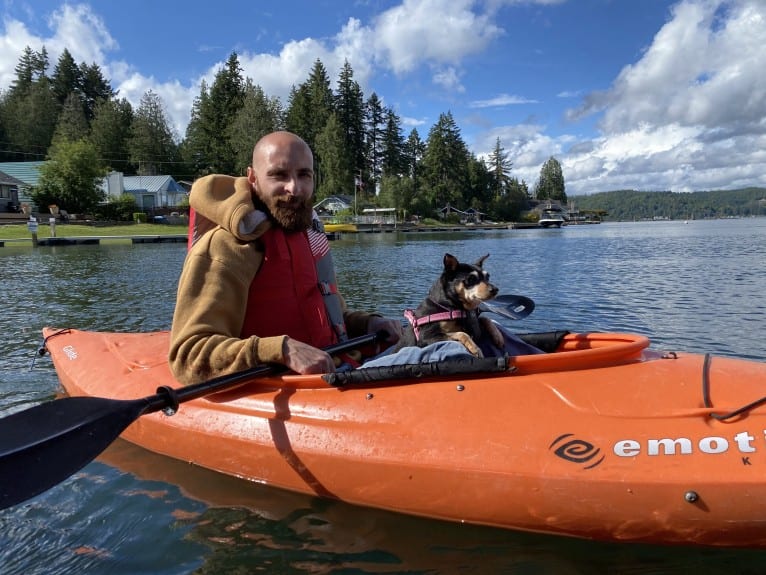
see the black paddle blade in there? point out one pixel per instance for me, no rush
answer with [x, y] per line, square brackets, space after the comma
[510, 306]
[42, 446]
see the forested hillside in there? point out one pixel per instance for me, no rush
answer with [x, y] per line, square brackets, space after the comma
[629, 205]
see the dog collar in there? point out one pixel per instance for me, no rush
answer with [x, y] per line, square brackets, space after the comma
[416, 322]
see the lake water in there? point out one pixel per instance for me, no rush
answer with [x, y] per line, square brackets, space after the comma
[695, 287]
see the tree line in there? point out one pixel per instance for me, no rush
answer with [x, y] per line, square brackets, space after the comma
[631, 205]
[71, 116]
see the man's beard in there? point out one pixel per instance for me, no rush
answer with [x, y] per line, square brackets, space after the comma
[291, 213]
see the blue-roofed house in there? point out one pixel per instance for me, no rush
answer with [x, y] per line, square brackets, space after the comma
[28, 173]
[150, 191]
[9, 193]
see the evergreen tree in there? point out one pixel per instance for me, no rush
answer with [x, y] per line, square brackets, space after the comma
[30, 119]
[31, 67]
[72, 124]
[550, 186]
[446, 165]
[151, 143]
[94, 88]
[5, 151]
[298, 116]
[25, 71]
[109, 133]
[479, 191]
[374, 144]
[500, 167]
[512, 203]
[217, 115]
[414, 151]
[258, 116]
[29, 111]
[393, 162]
[66, 78]
[394, 182]
[196, 149]
[310, 106]
[412, 198]
[349, 107]
[335, 178]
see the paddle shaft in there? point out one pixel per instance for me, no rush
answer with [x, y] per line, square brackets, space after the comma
[169, 398]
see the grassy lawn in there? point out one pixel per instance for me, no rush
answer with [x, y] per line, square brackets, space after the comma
[20, 231]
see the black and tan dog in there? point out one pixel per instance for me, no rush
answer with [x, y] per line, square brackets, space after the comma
[450, 311]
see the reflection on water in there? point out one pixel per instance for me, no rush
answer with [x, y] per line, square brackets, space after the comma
[695, 287]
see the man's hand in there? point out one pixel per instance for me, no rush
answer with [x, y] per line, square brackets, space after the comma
[392, 327]
[304, 359]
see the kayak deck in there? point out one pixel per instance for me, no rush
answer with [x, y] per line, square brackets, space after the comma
[604, 439]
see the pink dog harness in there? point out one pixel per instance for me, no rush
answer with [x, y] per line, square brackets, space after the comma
[416, 322]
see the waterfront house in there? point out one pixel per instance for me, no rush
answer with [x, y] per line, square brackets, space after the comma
[26, 174]
[331, 205]
[150, 192]
[9, 193]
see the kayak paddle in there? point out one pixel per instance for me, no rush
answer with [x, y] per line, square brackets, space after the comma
[510, 306]
[44, 445]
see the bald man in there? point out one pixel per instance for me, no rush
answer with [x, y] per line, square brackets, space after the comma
[259, 285]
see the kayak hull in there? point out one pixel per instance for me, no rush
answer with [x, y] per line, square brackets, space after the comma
[627, 450]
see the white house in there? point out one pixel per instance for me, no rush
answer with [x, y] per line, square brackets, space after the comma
[331, 205]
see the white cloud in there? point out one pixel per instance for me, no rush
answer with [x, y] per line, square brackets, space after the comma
[689, 114]
[74, 27]
[77, 28]
[449, 79]
[501, 100]
[438, 31]
[699, 70]
[12, 44]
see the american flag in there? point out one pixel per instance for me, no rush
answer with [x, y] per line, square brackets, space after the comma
[318, 242]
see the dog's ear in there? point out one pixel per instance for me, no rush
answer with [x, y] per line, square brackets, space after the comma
[450, 262]
[480, 261]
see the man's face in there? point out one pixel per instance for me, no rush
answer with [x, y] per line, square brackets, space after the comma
[282, 178]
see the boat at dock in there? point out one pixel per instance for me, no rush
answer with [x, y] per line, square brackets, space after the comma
[340, 228]
[551, 219]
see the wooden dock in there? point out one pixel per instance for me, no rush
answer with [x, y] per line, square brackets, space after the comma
[95, 240]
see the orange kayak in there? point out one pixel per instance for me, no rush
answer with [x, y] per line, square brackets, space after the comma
[604, 438]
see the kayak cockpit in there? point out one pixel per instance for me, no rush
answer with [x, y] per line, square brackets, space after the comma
[565, 352]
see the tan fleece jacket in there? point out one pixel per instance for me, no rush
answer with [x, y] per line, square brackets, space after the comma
[214, 285]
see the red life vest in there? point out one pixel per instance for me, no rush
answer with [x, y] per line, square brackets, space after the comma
[294, 291]
[287, 296]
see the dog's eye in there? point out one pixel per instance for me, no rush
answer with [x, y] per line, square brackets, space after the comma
[472, 280]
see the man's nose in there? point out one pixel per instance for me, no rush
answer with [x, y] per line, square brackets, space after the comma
[295, 186]
[290, 185]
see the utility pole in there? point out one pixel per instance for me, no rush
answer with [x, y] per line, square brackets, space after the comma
[357, 186]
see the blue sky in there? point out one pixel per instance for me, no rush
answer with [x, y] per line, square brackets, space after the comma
[646, 95]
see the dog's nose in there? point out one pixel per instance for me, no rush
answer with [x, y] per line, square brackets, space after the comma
[493, 289]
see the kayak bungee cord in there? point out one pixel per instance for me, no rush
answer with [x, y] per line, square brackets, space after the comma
[42, 350]
[709, 403]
